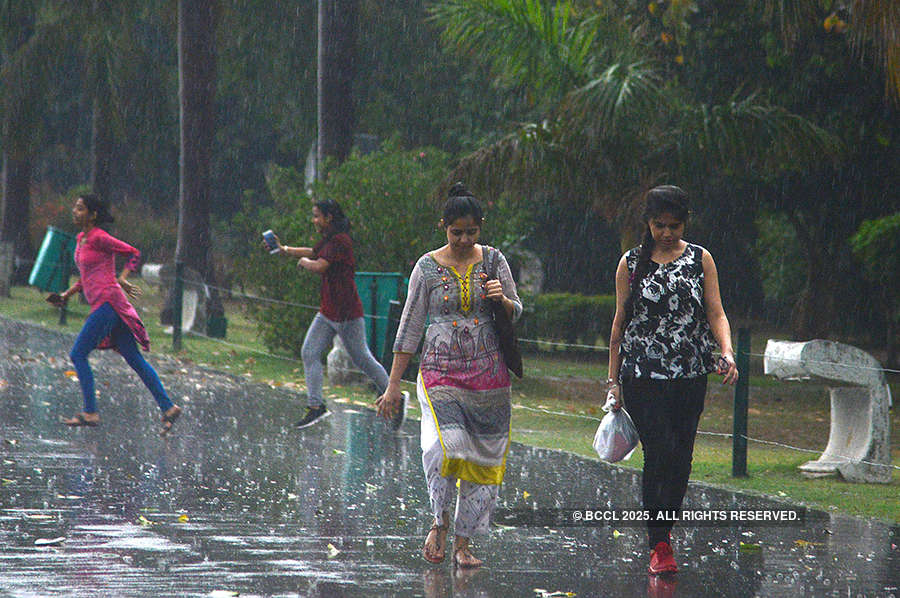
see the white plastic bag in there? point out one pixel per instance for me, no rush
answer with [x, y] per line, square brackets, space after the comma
[616, 436]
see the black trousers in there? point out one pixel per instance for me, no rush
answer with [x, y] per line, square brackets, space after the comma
[666, 414]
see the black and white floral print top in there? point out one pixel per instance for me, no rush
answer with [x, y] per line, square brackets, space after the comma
[669, 335]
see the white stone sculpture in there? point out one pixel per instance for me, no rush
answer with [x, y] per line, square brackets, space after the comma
[193, 310]
[859, 440]
[341, 369]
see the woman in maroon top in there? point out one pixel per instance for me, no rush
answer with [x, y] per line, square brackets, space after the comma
[340, 310]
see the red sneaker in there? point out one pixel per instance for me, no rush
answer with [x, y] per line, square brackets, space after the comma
[662, 560]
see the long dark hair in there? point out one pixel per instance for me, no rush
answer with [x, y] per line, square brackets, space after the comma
[339, 221]
[461, 204]
[665, 199]
[98, 206]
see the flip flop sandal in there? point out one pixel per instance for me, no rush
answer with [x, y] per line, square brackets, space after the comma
[169, 420]
[79, 420]
[436, 528]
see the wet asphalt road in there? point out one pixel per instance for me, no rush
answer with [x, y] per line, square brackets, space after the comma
[238, 501]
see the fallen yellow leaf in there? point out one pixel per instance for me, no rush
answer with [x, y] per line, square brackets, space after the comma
[806, 544]
[144, 521]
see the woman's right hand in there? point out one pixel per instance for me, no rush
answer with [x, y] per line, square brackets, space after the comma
[389, 402]
[614, 392]
[57, 300]
[278, 244]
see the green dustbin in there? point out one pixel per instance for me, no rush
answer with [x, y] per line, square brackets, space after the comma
[55, 261]
[376, 290]
[216, 326]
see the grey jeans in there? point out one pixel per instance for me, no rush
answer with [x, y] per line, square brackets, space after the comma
[317, 341]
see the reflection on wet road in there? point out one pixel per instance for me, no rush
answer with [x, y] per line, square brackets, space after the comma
[237, 501]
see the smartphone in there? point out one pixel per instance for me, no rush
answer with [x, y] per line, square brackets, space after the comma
[271, 243]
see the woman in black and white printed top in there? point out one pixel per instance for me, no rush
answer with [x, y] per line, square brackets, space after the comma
[669, 319]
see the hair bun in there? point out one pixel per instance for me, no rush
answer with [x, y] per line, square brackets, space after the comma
[458, 190]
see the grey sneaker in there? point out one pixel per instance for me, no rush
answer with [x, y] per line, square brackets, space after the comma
[312, 416]
[400, 416]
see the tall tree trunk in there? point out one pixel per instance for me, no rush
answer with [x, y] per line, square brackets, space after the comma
[336, 70]
[19, 129]
[197, 84]
[15, 214]
[101, 146]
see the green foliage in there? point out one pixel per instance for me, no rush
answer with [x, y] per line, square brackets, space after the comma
[623, 123]
[526, 42]
[781, 262]
[388, 196]
[385, 196]
[52, 209]
[567, 317]
[154, 234]
[407, 86]
[276, 277]
[877, 245]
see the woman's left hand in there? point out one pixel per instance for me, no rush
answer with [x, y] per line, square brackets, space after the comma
[494, 290]
[132, 290]
[728, 368]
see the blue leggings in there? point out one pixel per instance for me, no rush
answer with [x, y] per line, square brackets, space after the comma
[103, 322]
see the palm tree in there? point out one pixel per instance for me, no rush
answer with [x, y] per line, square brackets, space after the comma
[612, 124]
[872, 26]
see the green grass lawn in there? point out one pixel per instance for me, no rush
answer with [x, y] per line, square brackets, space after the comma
[557, 405]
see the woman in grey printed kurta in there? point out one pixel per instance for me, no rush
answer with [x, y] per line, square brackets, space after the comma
[463, 385]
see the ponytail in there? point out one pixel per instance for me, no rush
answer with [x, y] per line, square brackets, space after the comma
[641, 268]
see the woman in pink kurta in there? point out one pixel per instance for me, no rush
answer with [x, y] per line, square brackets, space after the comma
[113, 321]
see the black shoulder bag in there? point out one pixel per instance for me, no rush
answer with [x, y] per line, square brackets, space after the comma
[506, 333]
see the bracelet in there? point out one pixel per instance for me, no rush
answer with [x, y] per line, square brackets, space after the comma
[611, 382]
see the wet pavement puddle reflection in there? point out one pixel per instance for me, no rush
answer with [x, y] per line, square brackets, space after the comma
[239, 502]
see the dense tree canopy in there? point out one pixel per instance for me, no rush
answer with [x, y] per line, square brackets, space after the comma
[774, 114]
